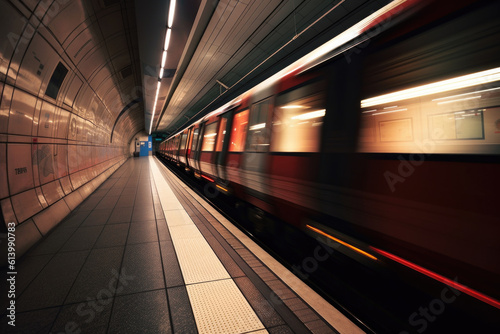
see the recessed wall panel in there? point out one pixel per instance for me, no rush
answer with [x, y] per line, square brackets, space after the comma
[12, 23]
[72, 91]
[62, 124]
[5, 108]
[52, 192]
[19, 167]
[37, 65]
[4, 189]
[61, 160]
[21, 113]
[26, 204]
[46, 123]
[44, 162]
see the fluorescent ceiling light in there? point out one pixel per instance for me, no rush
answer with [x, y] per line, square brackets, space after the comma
[167, 39]
[161, 73]
[163, 59]
[171, 12]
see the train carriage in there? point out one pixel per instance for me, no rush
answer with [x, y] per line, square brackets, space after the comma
[391, 142]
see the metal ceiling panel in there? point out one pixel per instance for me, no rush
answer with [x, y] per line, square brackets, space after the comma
[111, 24]
[116, 44]
[81, 45]
[72, 91]
[57, 17]
[92, 62]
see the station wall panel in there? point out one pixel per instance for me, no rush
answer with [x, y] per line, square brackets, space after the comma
[55, 125]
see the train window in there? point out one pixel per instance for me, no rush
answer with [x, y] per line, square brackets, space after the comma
[258, 132]
[195, 139]
[239, 132]
[297, 122]
[222, 134]
[457, 125]
[183, 141]
[209, 137]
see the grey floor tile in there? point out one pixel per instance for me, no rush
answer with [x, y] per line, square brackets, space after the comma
[97, 217]
[98, 277]
[107, 202]
[141, 313]
[52, 285]
[180, 308]
[163, 232]
[159, 212]
[83, 238]
[143, 213]
[74, 219]
[120, 215]
[142, 267]
[141, 232]
[38, 321]
[100, 192]
[86, 317]
[28, 269]
[54, 241]
[113, 235]
[172, 270]
[89, 204]
[125, 201]
[115, 191]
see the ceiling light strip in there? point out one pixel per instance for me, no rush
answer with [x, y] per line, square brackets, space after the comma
[168, 34]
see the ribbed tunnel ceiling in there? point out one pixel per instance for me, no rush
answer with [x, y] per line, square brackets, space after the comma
[101, 40]
[235, 45]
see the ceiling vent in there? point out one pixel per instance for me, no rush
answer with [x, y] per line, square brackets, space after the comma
[169, 73]
[126, 72]
[107, 3]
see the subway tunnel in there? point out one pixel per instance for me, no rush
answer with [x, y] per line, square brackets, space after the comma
[79, 80]
[208, 166]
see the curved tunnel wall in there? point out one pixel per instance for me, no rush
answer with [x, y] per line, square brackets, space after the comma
[67, 69]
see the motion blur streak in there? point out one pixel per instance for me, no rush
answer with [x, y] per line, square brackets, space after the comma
[442, 279]
[342, 242]
[469, 80]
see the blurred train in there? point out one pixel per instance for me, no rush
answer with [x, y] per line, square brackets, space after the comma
[386, 139]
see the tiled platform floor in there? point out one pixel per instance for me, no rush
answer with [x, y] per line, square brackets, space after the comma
[112, 266]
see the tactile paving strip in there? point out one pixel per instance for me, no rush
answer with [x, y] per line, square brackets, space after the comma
[177, 217]
[198, 261]
[219, 307]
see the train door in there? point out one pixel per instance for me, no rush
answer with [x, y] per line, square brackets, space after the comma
[207, 147]
[183, 147]
[195, 148]
[257, 147]
[222, 144]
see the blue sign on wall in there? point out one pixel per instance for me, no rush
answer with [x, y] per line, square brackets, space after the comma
[146, 147]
